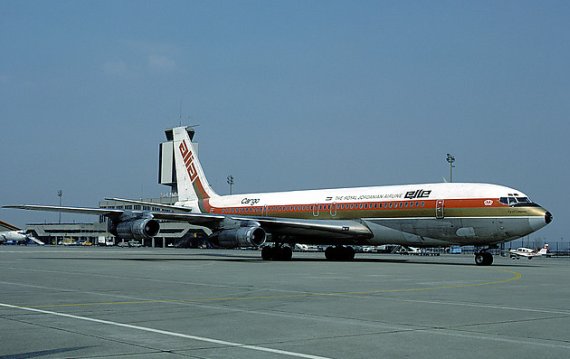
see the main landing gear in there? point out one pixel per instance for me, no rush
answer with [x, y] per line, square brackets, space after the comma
[280, 252]
[277, 253]
[483, 258]
[339, 253]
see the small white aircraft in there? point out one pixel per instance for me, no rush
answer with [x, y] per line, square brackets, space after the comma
[527, 252]
[10, 232]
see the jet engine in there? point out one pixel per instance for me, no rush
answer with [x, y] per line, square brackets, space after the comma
[135, 229]
[240, 237]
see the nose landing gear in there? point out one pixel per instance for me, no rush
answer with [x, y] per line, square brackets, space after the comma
[483, 258]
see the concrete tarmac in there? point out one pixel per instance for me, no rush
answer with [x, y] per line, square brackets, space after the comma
[58, 302]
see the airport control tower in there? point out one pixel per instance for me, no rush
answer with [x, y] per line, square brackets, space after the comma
[166, 166]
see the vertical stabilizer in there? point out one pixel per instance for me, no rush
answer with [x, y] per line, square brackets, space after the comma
[191, 181]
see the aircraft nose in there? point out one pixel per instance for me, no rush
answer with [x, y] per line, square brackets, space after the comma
[537, 223]
[547, 217]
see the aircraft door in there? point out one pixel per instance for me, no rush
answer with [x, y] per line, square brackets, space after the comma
[316, 209]
[439, 205]
[333, 209]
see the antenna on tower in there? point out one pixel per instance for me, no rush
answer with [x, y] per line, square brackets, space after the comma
[180, 114]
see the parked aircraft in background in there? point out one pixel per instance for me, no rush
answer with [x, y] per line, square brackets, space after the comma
[527, 252]
[418, 215]
[10, 233]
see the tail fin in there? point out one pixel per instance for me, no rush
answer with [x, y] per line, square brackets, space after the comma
[544, 250]
[191, 181]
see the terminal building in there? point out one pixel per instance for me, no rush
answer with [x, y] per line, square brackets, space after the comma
[179, 234]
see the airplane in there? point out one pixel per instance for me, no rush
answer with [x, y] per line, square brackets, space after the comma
[9, 232]
[418, 215]
[527, 252]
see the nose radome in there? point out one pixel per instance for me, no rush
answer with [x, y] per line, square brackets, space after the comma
[537, 223]
[548, 217]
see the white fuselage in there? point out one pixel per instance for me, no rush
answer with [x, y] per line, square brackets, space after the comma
[417, 215]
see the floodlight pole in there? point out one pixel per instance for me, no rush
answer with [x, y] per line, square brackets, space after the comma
[60, 194]
[450, 159]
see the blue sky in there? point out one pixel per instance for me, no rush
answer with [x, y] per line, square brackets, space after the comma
[288, 95]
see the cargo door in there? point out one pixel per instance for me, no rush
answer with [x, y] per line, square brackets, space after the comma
[439, 208]
[333, 209]
[316, 210]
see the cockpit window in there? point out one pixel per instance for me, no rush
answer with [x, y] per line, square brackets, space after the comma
[512, 201]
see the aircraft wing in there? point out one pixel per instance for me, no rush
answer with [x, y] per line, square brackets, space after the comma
[285, 227]
[199, 219]
[81, 210]
[207, 220]
[276, 226]
[279, 226]
[311, 229]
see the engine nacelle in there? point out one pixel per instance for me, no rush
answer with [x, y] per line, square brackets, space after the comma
[136, 229]
[240, 237]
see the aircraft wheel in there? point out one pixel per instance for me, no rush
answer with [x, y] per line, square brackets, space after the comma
[281, 253]
[479, 259]
[339, 253]
[347, 253]
[483, 259]
[286, 253]
[267, 253]
[276, 253]
[488, 259]
[330, 253]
